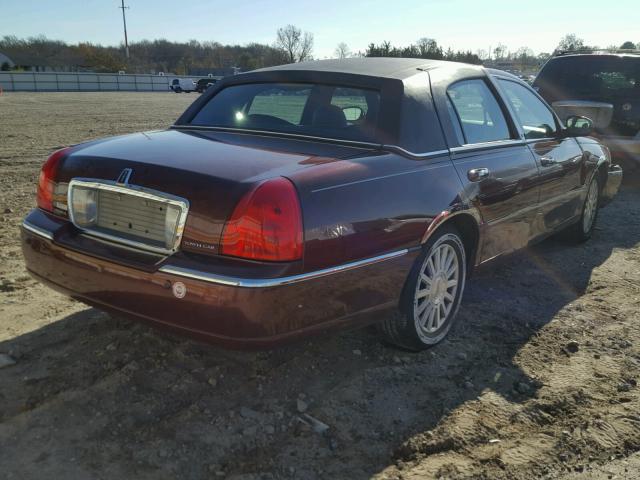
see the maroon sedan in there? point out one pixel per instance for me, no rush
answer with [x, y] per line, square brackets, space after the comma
[297, 199]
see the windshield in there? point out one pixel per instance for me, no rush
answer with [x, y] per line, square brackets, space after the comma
[308, 109]
[598, 78]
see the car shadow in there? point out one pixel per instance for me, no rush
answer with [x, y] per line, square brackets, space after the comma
[95, 396]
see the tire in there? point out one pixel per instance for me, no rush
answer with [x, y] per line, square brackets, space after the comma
[582, 230]
[177, 90]
[426, 314]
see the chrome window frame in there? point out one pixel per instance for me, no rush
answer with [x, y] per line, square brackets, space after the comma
[559, 123]
[138, 191]
[500, 103]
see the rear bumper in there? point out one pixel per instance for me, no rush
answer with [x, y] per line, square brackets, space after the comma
[234, 312]
[613, 184]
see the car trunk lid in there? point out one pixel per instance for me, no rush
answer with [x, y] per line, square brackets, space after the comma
[211, 170]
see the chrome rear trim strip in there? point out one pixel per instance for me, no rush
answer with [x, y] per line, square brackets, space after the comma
[37, 230]
[275, 282]
[250, 282]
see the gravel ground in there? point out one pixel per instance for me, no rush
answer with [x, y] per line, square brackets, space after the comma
[537, 380]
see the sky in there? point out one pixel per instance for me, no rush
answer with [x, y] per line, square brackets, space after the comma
[460, 24]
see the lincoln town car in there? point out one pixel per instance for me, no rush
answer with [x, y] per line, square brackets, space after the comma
[295, 200]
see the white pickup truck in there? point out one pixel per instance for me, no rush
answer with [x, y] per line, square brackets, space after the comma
[180, 85]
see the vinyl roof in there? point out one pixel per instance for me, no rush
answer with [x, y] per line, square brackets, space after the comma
[399, 68]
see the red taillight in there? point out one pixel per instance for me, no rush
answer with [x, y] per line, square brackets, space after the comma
[266, 224]
[47, 179]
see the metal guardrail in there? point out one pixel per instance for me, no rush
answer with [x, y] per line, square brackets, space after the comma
[84, 82]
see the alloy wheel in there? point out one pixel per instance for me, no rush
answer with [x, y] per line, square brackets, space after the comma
[436, 289]
[590, 206]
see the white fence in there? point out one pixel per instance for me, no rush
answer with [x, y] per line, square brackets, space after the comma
[83, 82]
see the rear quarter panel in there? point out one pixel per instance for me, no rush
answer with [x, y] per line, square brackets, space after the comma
[363, 207]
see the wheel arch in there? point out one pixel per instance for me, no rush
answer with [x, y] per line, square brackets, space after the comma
[467, 222]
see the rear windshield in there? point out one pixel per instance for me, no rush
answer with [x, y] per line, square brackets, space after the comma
[590, 77]
[307, 109]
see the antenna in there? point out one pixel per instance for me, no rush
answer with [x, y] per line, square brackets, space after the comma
[124, 22]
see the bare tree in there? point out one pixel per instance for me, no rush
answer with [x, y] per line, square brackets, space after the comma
[296, 44]
[499, 51]
[428, 48]
[523, 54]
[571, 42]
[543, 57]
[342, 51]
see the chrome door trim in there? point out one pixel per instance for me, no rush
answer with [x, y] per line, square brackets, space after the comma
[423, 155]
[472, 147]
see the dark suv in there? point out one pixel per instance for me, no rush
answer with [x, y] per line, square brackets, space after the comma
[204, 83]
[601, 85]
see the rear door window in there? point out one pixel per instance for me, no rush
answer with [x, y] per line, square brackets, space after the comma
[480, 116]
[532, 114]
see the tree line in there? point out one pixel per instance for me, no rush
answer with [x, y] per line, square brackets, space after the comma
[291, 45]
[426, 48]
[523, 58]
[146, 56]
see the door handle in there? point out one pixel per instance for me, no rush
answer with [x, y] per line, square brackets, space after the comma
[477, 174]
[547, 161]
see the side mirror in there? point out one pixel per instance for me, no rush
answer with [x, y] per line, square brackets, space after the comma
[352, 114]
[578, 126]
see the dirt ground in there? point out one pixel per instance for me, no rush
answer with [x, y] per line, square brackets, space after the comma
[537, 380]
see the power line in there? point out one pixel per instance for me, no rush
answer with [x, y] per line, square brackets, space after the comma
[124, 22]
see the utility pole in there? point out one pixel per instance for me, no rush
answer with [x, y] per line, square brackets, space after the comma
[124, 22]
